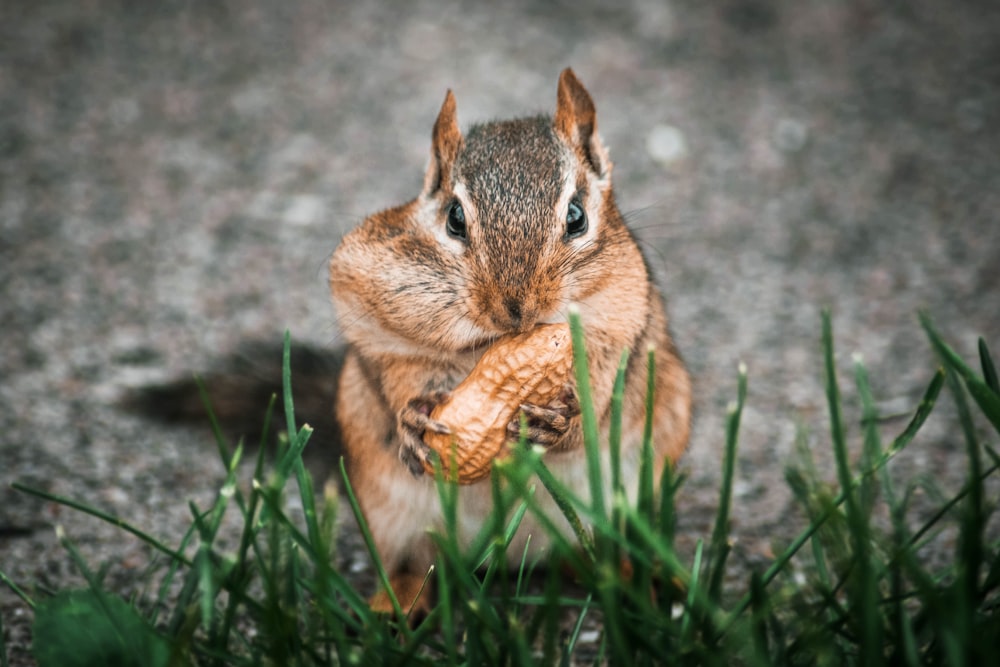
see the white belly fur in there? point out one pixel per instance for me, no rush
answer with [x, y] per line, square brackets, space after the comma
[400, 533]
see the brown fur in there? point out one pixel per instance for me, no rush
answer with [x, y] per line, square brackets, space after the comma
[418, 307]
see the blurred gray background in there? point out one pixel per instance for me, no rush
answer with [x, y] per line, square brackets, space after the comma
[174, 175]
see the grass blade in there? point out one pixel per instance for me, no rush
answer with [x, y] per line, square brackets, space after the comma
[220, 439]
[591, 438]
[972, 521]
[864, 589]
[577, 627]
[16, 590]
[694, 591]
[872, 441]
[987, 398]
[989, 370]
[719, 549]
[615, 430]
[366, 535]
[109, 518]
[614, 449]
[286, 384]
[642, 572]
[644, 502]
[761, 613]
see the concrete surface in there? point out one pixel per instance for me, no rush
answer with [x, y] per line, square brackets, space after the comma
[172, 181]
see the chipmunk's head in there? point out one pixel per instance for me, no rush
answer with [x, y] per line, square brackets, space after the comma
[523, 207]
[515, 221]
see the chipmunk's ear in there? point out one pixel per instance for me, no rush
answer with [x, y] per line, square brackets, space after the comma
[446, 142]
[576, 121]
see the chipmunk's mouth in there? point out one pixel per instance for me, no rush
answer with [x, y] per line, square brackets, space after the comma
[478, 345]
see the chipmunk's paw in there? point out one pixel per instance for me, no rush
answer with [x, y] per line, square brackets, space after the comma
[546, 424]
[414, 420]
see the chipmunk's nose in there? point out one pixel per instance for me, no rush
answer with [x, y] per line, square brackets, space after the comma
[514, 310]
[515, 314]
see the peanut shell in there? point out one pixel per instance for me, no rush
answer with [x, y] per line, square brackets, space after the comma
[532, 367]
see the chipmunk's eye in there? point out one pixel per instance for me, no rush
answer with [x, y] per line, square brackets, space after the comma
[456, 222]
[576, 220]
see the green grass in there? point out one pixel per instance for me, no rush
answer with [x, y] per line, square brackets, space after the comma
[856, 586]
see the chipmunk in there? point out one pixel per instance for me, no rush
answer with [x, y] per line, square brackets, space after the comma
[516, 220]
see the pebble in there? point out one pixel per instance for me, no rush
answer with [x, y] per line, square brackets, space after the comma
[790, 135]
[303, 210]
[666, 144]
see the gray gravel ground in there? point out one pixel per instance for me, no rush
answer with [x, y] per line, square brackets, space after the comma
[172, 181]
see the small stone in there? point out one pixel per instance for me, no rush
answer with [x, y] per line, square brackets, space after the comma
[666, 144]
[303, 210]
[790, 135]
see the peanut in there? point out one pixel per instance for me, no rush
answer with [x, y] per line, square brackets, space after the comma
[532, 367]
